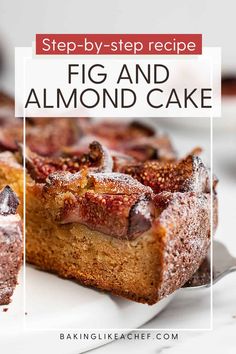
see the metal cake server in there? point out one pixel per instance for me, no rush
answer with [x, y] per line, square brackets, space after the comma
[223, 264]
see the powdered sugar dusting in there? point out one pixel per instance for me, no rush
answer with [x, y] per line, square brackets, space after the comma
[120, 183]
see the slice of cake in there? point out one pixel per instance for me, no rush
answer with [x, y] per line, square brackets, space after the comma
[111, 232]
[11, 244]
[135, 226]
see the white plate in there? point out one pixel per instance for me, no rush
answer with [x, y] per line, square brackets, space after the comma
[55, 305]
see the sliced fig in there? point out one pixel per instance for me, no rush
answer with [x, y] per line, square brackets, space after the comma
[98, 159]
[185, 175]
[113, 203]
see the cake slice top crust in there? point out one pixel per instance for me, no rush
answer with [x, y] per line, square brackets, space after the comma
[188, 174]
[110, 184]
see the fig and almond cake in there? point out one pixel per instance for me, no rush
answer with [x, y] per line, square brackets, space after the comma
[113, 207]
[109, 204]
